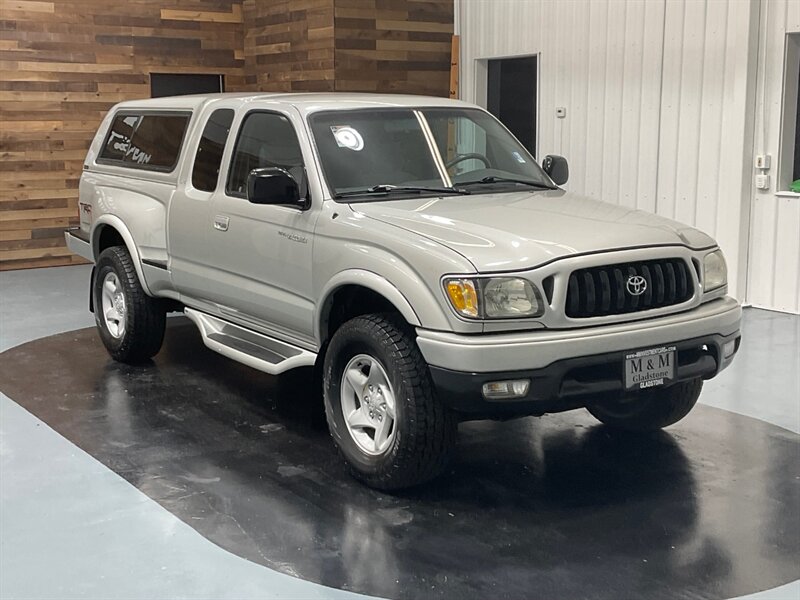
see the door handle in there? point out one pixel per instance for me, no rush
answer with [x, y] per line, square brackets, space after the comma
[221, 223]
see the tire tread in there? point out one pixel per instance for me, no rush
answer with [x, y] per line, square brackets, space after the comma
[432, 431]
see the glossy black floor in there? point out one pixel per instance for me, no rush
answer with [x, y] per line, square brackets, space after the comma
[558, 507]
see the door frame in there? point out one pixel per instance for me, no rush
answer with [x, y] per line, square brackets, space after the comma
[481, 91]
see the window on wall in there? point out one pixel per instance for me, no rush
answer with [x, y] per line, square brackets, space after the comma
[789, 168]
[181, 84]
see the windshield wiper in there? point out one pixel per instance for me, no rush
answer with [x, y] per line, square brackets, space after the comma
[386, 188]
[494, 179]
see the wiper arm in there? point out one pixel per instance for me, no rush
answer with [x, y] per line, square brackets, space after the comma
[494, 179]
[386, 188]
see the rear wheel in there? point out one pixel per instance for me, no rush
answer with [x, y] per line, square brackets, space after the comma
[381, 406]
[131, 323]
[650, 409]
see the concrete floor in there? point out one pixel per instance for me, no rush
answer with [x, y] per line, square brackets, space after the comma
[71, 528]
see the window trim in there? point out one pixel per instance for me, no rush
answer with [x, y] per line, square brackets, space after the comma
[190, 179]
[122, 163]
[245, 116]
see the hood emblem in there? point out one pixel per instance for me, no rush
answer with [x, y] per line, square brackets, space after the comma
[636, 285]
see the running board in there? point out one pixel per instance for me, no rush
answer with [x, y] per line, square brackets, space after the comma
[248, 347]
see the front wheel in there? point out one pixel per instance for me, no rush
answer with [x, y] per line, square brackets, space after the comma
[131, 323]
[650, 409]
[381, 406]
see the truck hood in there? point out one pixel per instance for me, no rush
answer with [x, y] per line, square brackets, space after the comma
[521, 230]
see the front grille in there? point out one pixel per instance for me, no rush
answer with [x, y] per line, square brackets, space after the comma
[600, 291]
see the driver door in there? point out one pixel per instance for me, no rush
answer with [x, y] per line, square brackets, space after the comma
[260, 255]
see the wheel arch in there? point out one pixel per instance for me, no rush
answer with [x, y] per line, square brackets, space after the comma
[109, 228]
[379, 291]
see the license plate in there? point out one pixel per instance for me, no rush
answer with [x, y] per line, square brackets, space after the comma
[649, 368]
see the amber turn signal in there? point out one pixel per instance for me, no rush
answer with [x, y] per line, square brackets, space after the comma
[463, 296]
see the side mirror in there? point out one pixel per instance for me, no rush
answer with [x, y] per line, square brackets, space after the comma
[556, 167]
[272, 185]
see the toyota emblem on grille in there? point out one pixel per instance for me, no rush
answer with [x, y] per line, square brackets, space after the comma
[636, 285]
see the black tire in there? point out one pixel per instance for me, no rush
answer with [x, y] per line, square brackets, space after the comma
[650, 409]
[144, 317]
[425, 430]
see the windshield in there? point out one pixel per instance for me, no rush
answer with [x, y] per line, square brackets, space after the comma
[364, 150]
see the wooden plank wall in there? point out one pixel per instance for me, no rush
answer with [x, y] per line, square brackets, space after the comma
[400, 46]
[63, 64]
[289, 45]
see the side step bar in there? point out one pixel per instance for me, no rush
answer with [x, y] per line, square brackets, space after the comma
[248, 347]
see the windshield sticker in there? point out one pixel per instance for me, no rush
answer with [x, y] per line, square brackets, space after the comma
[518, 156]
[347, 137]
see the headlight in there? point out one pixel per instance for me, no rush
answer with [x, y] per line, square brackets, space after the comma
[511, 297]
[715, 272]
[494, 298]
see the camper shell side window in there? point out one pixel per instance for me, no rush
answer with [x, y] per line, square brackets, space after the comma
[145, 140]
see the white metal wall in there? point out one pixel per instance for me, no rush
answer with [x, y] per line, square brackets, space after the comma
[658, 95]
[587, 50]
[774, 266]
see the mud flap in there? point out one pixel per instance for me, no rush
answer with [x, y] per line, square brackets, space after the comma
[91, 287]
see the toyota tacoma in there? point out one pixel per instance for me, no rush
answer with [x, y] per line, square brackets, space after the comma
[408, 248]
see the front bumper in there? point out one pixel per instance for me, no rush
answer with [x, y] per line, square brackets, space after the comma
[568, 367]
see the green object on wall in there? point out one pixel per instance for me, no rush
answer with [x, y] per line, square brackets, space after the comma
[795, 186]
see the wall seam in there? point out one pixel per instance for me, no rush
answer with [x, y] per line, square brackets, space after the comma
[700, 111]
[679, 106]
[720, 136]
[750, 197]
[622, 105]
[605, 105]
[333, 41]
[778, 202]
[586, 180]
[639, 113]
[660, 103]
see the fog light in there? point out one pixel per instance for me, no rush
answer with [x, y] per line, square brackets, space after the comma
[728, 349]
[498, 390]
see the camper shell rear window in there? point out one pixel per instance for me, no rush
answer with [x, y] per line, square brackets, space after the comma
[145, 140]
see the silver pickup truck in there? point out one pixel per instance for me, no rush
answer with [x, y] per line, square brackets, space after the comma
[408, 248]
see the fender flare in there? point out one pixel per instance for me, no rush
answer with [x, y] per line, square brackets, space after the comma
[369, 280]
[120, 227]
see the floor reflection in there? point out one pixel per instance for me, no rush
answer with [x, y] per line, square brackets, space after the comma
[556, 507]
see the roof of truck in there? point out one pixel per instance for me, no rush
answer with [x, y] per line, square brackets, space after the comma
[305, 101]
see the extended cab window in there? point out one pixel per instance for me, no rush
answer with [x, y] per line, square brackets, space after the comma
[208, 159]
[145, 141]
[265, 140]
